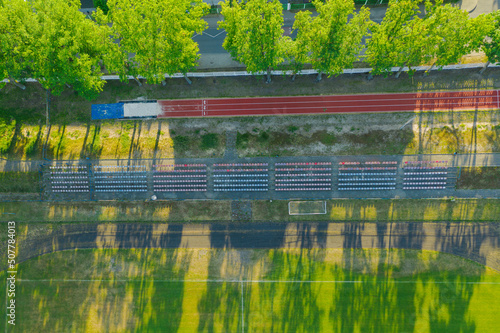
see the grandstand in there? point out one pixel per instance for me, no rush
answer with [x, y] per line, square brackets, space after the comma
[367, 176]
[67, 180]
[239, 177]
[180, 177]
[118, 180]
[425, 175]
[303, 176]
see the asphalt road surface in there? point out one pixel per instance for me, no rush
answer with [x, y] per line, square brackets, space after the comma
[476, 241]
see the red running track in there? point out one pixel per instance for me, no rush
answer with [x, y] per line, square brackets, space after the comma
[425, 101]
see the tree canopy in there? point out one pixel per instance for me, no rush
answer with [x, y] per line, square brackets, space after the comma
[155, 36]
[254, 33]
[333, 41]
[491, 46]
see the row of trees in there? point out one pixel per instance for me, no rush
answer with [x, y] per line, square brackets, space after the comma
[331, 42]
[54, 43]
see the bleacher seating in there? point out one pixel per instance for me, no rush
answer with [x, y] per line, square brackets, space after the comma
[425, 175]
[240, 177]
[120, 178]
[68, 179]
[303, 176]
[180, 177]
[367, 176]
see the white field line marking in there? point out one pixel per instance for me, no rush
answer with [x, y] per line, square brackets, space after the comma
[241, 281]
[242, 310]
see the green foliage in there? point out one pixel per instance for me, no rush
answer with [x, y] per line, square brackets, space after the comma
[102, 5]
[399, 40]
[67, 48]
[452, 33]
[332, 41]
[263, 137]
[209, 141]
[155, 36]
[327, 138]
[242, 140]
[181, 142]
[254, 33]
[17, 30]
[292, 128]
[491, 47]
[7, 131]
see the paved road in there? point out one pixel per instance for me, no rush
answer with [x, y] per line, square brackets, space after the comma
[476, 241]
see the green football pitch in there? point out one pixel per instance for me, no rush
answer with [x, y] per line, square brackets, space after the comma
[182, 290]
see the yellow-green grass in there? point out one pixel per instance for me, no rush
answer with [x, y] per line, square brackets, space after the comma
[210, 290]
[306, 207]
[386, 210]
[107, 140]
[479, 178]
[188, 210]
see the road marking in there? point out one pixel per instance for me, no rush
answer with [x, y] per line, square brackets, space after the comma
[251, 281]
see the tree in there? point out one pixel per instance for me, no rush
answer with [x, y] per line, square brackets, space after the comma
[399, 40]
[453, 33]
[254, 33]
[103, 5]
[67, 48]
[155, 36]
[334, 41]
[17, 27]
[491, 46]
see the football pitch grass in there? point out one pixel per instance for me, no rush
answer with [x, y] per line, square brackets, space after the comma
[211, 290]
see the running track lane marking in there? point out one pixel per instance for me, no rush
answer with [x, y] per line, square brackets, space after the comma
[251, 281]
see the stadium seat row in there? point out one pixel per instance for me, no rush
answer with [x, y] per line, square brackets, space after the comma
[69, 177]
[241, 170]
[303, 169]
[424, 183]
[71, 191]
[181, 181]
[180, 185]
[104, 181]
[69, 173]
[240, 189]
[304, 189]
[381, 162]
[424, 188]
[425, 162]
[68, 167]
[425, 168]
[343, 179]
[71, 182]
[240, 180]
[121, 186]
[349, 163]
[365, 188]
[187, 170]
[179, 176]
[304, 163]
[240, 164]
[181, 190]
[72, 187]
[240, 185]
[425, 173]
[243, 175]
[368, 168]
[120, 190]
[367, 174]
[305, 180]
[118, 166]
[119, 176]
[366, 184]
[179, 165]
[302, 174]
[303, 184]
[424, 178]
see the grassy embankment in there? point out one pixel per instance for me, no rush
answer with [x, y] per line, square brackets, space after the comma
[402, 210]
[202, 290]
